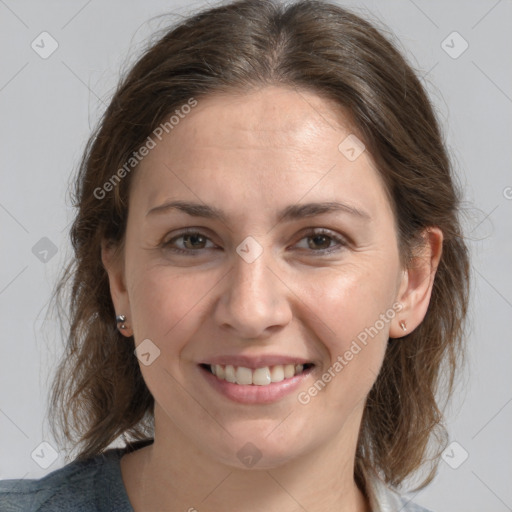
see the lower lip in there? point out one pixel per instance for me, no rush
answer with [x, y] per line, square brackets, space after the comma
[252, 394]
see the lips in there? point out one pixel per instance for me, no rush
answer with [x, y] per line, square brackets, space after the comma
[253, 393]
[255, 379]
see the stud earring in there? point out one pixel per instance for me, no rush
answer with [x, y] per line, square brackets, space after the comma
[402, 325]
[121, 319]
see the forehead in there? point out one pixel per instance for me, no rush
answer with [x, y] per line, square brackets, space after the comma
[264, 144]
[287, 113]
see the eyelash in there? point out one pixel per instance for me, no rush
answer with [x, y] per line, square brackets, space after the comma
[341, 242]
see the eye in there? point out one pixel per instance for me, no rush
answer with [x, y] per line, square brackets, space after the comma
[193, 242]
[189, 242]
[320, 240]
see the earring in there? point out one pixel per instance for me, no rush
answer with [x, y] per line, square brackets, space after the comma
[121, 319]
[403, 326]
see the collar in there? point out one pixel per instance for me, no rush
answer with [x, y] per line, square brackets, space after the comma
[381, 497]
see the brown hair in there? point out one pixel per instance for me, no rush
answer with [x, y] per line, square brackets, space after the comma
[98, 393]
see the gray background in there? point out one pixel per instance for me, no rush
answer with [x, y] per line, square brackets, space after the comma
[49, 107]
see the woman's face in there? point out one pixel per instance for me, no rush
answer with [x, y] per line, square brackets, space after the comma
[273, 273]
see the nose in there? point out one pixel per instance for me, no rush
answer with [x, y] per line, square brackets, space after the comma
[255, 300]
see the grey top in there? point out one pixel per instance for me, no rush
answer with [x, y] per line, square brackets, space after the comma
[96, 485]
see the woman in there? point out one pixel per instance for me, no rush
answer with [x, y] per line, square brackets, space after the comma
[270, 279]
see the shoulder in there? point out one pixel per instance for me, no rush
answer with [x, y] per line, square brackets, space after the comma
[89, 485]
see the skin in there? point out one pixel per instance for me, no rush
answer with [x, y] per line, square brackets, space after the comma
[252, 155]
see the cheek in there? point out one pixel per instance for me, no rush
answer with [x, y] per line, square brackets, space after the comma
[165, 301]
[349, 299]
[169, 303]
[351, 310]
[347, 308]
[167, 308]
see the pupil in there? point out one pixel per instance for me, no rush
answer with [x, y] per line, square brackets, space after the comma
[193, 239]
[322, 238]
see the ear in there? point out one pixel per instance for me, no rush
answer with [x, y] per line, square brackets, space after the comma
[113, 261]
[417, 282]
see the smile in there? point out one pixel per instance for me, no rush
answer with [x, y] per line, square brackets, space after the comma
[262, 385]
[259, 376]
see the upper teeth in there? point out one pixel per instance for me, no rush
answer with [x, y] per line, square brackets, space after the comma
[260, 376]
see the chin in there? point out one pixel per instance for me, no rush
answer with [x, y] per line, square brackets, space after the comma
[248, 449]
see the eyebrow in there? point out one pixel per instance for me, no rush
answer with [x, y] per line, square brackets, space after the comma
[292, 212]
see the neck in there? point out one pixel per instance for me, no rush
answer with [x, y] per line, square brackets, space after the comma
[173, 471]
